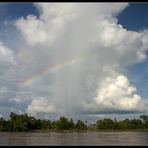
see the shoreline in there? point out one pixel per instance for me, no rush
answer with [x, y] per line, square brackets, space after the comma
[78, 131]
[90, 130]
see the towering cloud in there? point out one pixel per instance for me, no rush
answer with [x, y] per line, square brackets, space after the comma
[74, 59]
[116, 94]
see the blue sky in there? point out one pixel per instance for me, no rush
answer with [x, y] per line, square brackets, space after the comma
[135, 18]
[17, 10]
[35, 55]
[10, 12]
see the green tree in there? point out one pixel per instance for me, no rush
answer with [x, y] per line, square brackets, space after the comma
[63, 123]
[105, 124]
[145, 121]
[21, 122]
[2, 124]
[45, 124]
[71, 124]
[144, 117]
[80, 125]
[54, 125]
[116, 124]
[136, 124]
[125, 124]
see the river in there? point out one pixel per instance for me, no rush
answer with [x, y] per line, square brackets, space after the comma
[73, 138]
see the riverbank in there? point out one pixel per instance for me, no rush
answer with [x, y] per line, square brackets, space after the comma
[88, 130]
[77, 131]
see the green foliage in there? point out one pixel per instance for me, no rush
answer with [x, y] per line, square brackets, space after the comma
[116, 124]
[80, 125]
[64, 124]
[2, 124]
[144, 117]
[71, 124]
[105, 124]
[136, 124]
[145, 121]
[123, 124]
[54, 125]
[45, 124]
[23, 122]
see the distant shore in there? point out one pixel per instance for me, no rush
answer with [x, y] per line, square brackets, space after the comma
[88, 130]
[23, 122]
[132, 130]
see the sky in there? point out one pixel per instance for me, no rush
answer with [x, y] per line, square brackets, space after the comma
[76, 60]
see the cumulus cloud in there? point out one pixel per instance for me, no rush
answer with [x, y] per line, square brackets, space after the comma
[40, 105]
[66, 31]
[116, 94]
[74, 59]
[55, 17]
[52, 20]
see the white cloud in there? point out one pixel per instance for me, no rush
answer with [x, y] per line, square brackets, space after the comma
[116, 94]
[54, 18]
[6, 55]
[34, 32]
[49, 26]
[40, 105]
[65, 32]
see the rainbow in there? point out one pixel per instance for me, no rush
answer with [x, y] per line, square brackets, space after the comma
[49, 69]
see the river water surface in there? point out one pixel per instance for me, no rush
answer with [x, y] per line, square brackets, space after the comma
[73, 138]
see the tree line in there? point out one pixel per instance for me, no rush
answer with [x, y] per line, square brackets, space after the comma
[24, 122]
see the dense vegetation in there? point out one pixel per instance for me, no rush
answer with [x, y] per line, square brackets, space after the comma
[23, 122]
